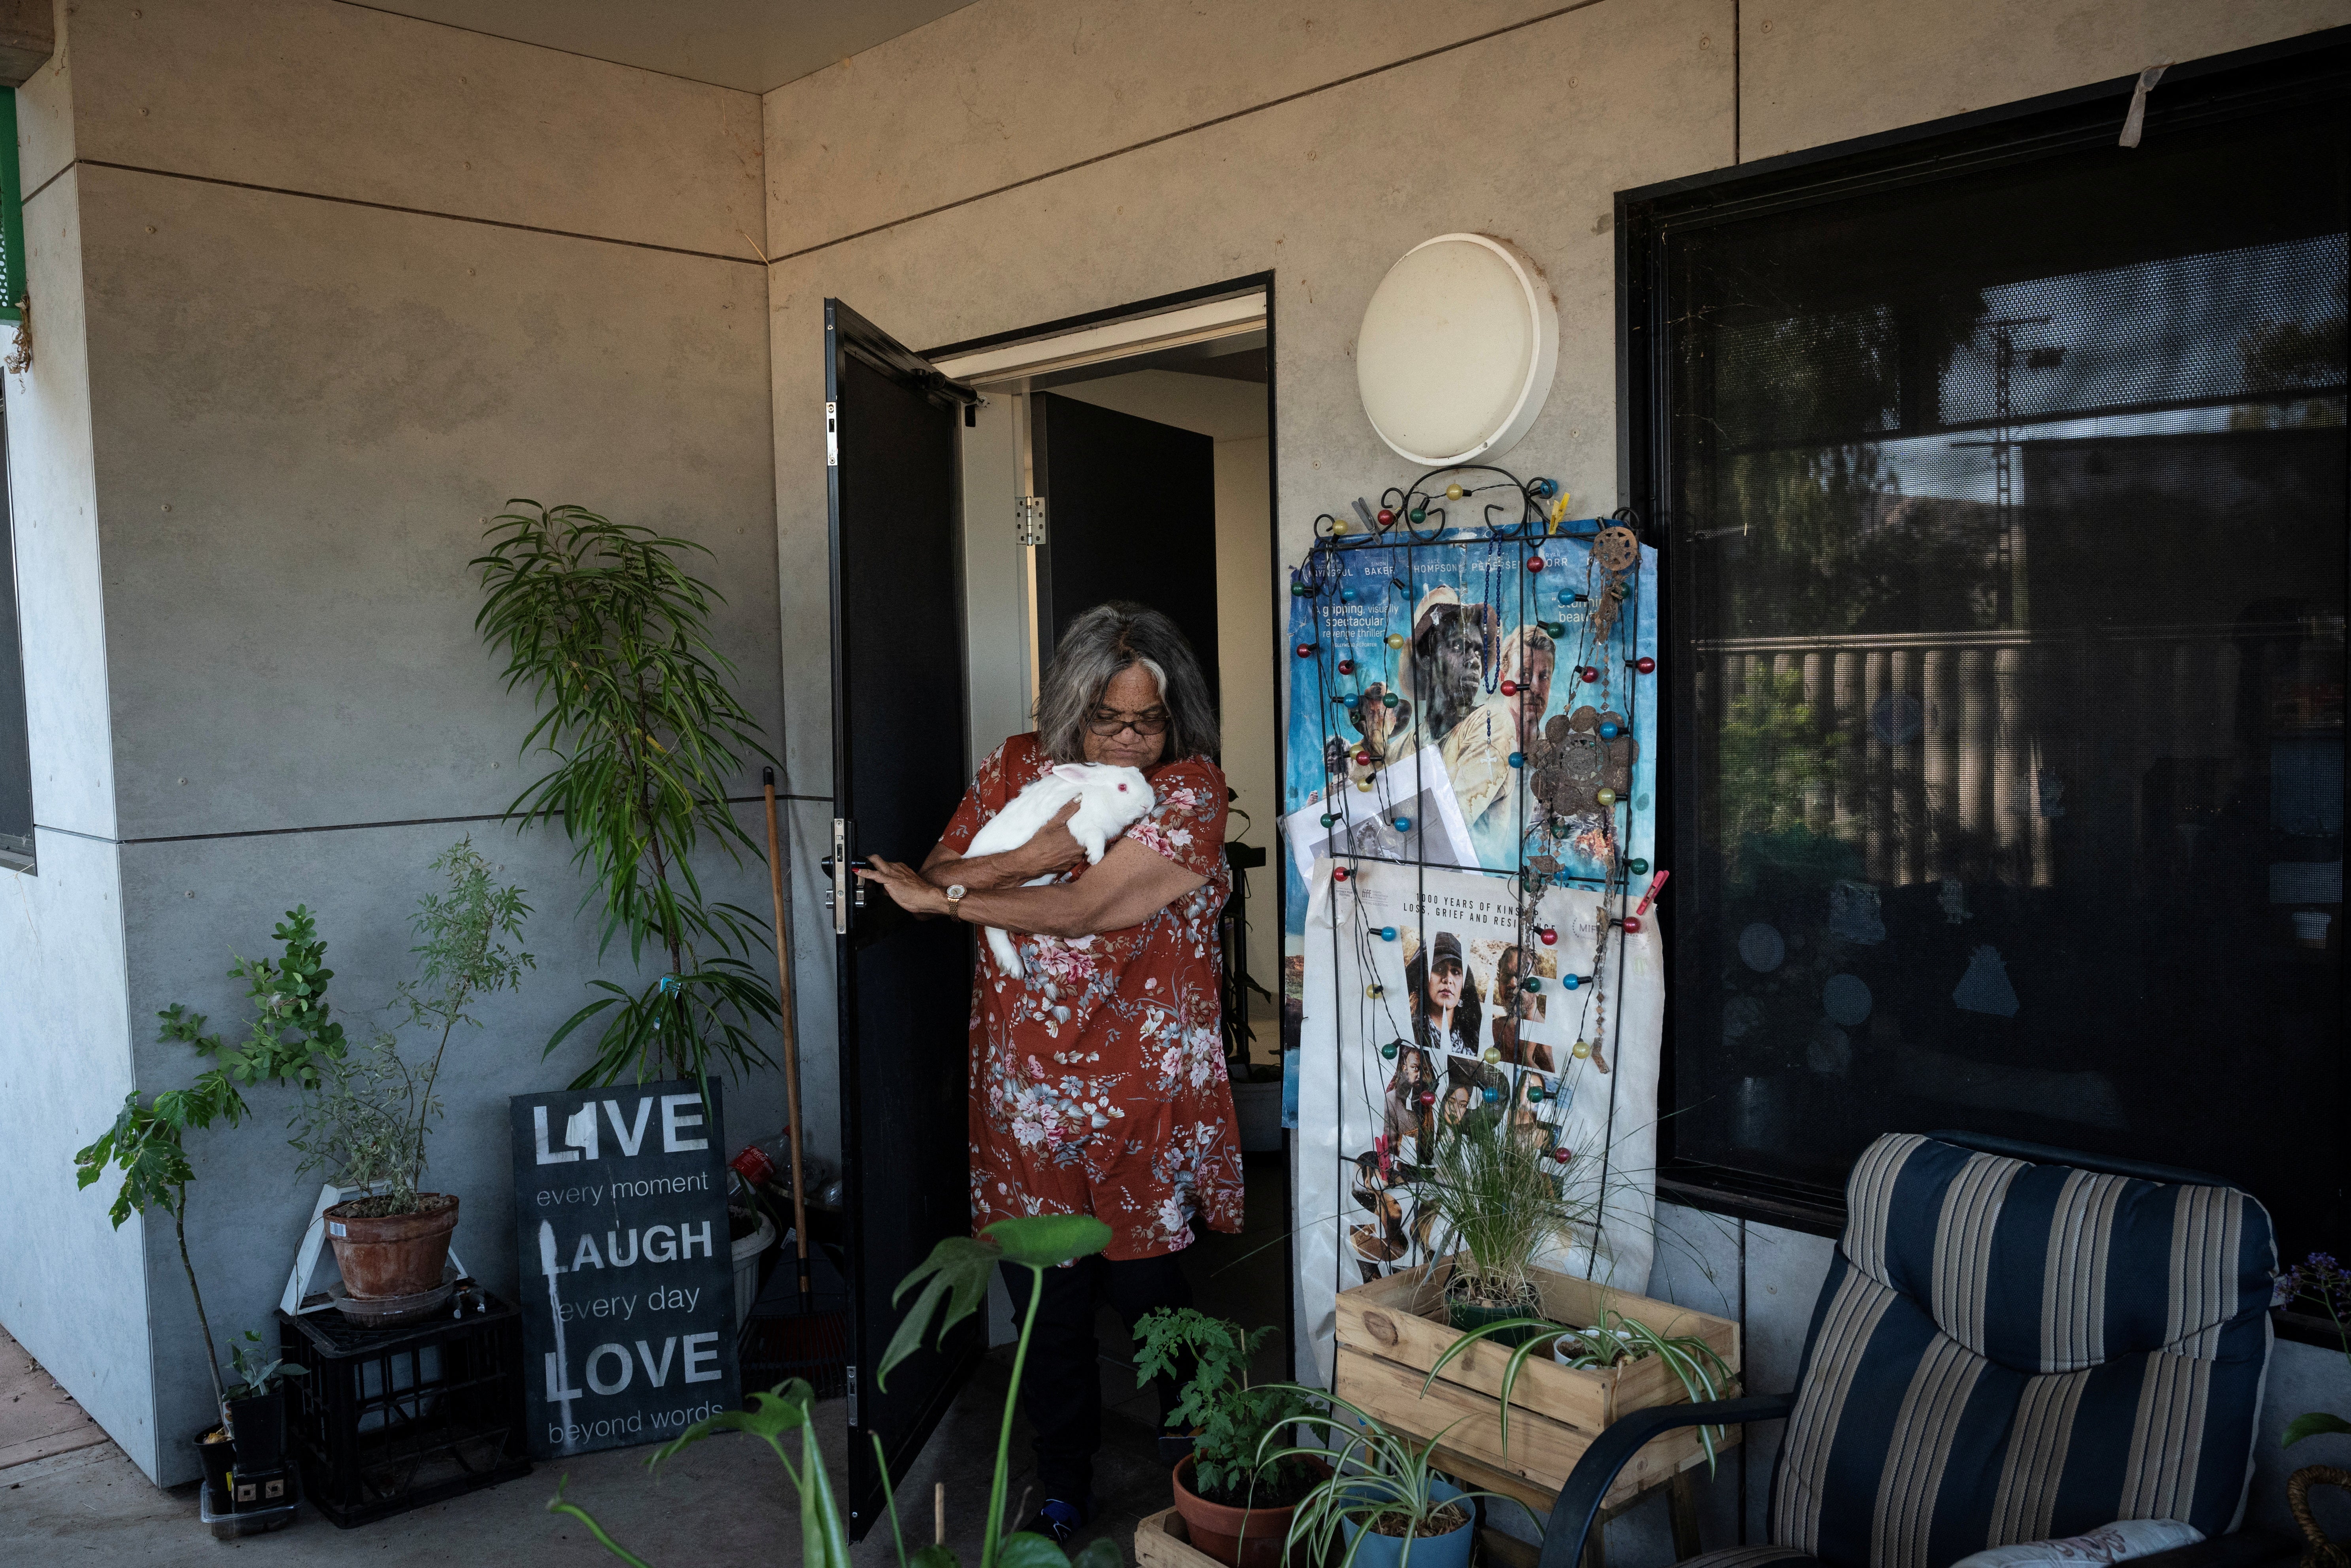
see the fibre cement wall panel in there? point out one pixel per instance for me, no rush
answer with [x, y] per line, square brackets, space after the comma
[72, 1287]
[60, 594]
[298, 439]
[1012, 89]
[1817, 71]
[357, 103]
[191, 905]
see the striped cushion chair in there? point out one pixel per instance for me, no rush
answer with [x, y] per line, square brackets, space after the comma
[2006, 1349]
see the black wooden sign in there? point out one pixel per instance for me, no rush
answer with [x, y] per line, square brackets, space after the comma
[628, 1281]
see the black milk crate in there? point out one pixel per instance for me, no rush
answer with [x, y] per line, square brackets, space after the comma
[391, 1419]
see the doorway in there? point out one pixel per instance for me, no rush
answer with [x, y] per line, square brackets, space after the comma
[1130, 456]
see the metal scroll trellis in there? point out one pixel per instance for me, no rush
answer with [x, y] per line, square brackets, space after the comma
[1550, 801]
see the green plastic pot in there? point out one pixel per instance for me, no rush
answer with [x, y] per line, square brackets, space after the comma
[1466, 1315]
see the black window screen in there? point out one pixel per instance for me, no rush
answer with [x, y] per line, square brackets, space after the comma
[2005, 495]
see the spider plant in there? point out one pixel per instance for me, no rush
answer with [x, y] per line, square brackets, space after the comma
[1614, 1341]
[609, 634]
[1377, 1477]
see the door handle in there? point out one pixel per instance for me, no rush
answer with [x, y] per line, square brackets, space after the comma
[842, 898]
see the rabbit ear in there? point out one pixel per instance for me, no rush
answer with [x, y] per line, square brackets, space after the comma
[1071, 770]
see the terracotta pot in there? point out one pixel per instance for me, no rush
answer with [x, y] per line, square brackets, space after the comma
[398, 1255]
[1237, 1537]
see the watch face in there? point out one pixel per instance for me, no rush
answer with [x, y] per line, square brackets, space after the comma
[957, 891]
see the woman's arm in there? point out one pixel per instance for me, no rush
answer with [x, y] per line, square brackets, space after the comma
[1131, 885]
[1049, 851]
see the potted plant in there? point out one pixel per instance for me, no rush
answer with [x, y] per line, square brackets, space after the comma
[1235, 1505]
[611, 635]
[1383, 1505]
[751, 1232]
[2322, 1282]
[256, 1404]
[1498, 1200]
[292, 1038]
[954, 1280]
[366, 1125]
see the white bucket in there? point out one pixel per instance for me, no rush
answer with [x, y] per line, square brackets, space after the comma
[747, 1266]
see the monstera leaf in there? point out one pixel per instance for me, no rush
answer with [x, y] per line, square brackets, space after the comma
[959, 1268]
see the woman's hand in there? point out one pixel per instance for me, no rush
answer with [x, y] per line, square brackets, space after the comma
[906, 886]
[1051, 849]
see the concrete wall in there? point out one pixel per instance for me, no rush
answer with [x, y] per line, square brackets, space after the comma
[1028, 159]
[349, 281]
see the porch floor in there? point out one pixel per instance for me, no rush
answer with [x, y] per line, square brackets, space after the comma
[724, 1503]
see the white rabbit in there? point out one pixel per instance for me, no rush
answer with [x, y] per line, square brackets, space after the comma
[1109, 800]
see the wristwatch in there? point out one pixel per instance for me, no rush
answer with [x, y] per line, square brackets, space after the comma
[955, 901]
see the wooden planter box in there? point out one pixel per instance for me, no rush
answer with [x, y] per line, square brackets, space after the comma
[1392, 1331]
[1161, 1542]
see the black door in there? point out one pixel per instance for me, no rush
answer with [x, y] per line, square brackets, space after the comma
[1130, 513]
[898, 750]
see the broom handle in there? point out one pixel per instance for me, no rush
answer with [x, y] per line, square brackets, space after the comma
[791, 1032]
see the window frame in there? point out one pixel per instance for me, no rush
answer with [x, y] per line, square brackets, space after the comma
[2219, 87]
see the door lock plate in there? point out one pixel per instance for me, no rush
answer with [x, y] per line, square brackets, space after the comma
[838, 899]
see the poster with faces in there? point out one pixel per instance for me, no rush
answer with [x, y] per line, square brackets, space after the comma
[1450, 708]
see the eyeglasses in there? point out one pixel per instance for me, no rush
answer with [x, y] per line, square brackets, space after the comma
[1106, 722]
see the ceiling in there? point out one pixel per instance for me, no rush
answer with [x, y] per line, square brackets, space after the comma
[751, 45]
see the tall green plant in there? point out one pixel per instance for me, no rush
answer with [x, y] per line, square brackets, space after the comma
[367, 1125]
[293, 1038]
[954, 1277]
[611, 635]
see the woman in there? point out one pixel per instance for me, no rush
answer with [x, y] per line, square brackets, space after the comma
[1406, 1116]
[1446, 1011]
[1098, 1075]
[1516, 1005]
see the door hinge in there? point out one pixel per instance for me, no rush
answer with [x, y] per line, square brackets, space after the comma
[833, 435]
[852, 1393]
[1029, 519]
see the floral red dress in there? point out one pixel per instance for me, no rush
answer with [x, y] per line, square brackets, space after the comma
[1098, 1078]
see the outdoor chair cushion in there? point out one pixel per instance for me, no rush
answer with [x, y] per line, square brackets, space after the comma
[2006, 1352]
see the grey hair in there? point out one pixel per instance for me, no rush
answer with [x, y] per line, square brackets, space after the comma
[1098, 645]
